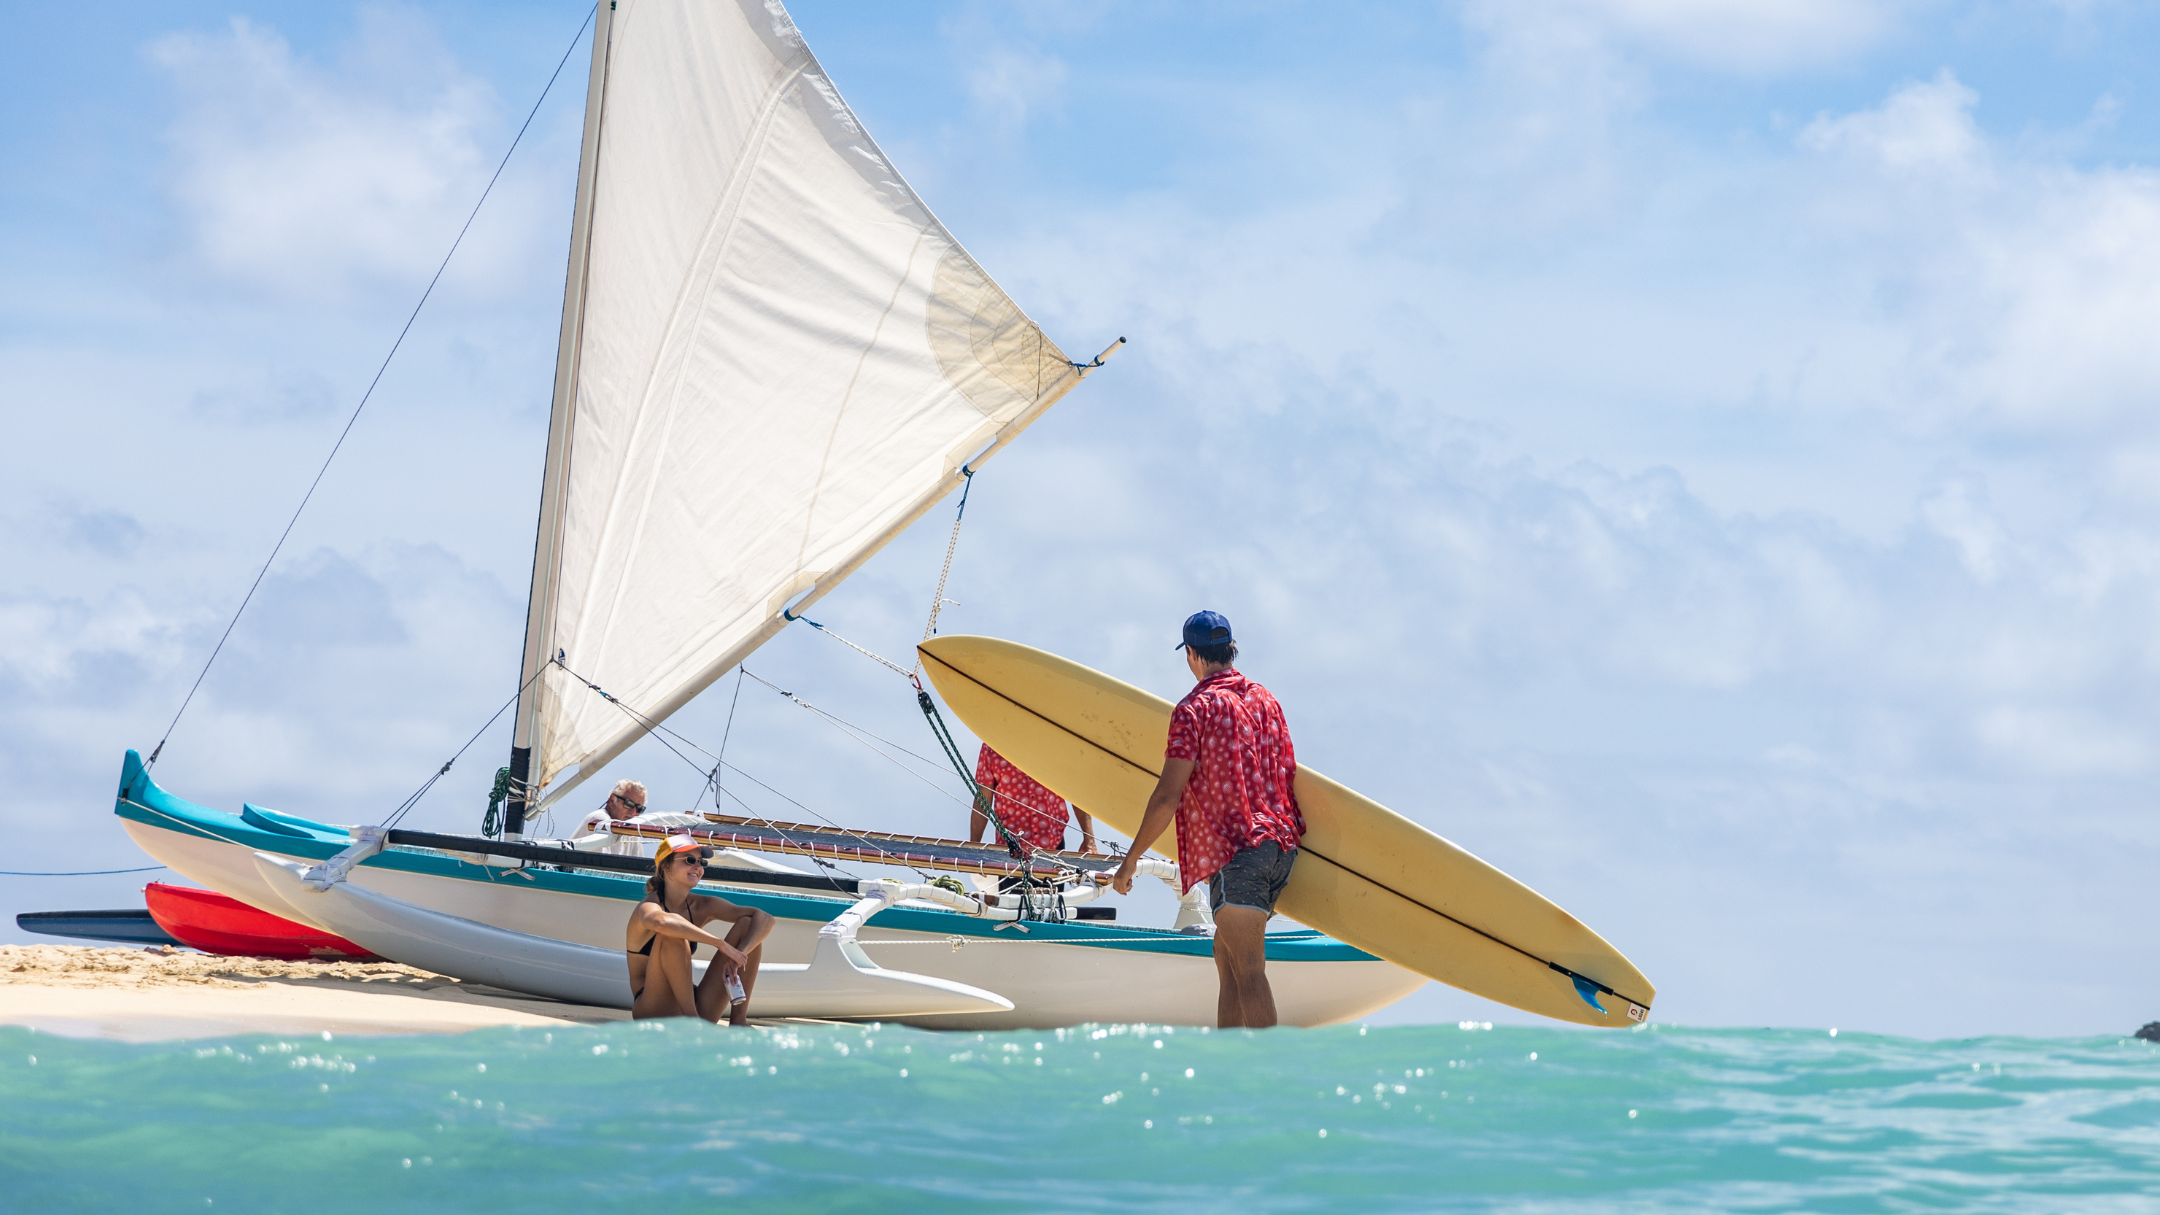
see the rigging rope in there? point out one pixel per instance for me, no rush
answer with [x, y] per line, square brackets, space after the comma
[937, 601]
[501, 778]
[656, 728]
[887, 663]
[1019, 848]
[865, 737]
[364, 398]
[985, 801]
[727, 732]
[78, 872]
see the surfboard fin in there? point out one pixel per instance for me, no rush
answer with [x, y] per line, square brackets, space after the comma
[1588, 991]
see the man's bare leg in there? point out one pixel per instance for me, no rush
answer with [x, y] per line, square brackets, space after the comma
[1241, 968]
[1229, 1003]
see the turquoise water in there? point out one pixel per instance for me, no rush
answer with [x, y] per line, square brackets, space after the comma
[685, 1116]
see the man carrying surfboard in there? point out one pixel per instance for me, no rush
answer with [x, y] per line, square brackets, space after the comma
[1226, 782]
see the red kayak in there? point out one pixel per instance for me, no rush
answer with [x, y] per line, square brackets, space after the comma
[213, 923]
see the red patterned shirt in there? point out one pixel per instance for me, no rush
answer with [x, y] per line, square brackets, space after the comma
[1028, 810]
[1243, 765]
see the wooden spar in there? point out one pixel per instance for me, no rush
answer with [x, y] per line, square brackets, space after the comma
[867, 847]
[547, 546]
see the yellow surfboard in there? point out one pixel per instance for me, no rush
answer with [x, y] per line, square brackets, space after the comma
[1365, 875]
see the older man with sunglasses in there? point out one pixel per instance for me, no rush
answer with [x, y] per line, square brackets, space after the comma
[626, 802]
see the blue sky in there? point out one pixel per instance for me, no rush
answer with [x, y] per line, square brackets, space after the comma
[1698, 455]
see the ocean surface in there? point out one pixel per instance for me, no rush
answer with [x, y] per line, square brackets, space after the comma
[685, 1116]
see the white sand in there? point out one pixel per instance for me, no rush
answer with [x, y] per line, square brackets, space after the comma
[148, 994]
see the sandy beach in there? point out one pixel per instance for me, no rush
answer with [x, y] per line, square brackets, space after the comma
[142, 995]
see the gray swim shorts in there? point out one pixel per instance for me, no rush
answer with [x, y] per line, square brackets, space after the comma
[1253, 878]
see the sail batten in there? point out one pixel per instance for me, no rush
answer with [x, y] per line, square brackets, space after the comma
[782, 360]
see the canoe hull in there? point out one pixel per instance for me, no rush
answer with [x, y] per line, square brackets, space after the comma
[219, 923]
[125, 926]
[1054, 974]
[828, 987]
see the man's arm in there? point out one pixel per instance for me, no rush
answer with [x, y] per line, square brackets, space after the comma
[1161, 812]
[1087, 829]
[591, 835]
[977, 820]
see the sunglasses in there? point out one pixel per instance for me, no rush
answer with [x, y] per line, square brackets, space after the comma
[698, 857]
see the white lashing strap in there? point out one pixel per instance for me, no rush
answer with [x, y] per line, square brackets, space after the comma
[1193, 911]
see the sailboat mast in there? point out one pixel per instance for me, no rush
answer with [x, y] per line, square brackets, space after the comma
[547, 548]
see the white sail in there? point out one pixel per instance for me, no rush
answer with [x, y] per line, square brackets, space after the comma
[781, 359]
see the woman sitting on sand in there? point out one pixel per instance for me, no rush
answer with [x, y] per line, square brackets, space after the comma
[665, 930]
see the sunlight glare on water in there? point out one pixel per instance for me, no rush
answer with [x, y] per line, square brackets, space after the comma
[673, 1115]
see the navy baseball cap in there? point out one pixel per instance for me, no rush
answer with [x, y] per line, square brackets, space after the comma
[1205, 628]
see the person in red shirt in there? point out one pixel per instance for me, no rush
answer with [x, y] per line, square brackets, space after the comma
[1031, 812]
[1226, 781]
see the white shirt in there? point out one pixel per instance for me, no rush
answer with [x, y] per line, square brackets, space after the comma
[596, 823]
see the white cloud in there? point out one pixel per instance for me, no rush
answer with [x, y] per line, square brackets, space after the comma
[1959, 511]
[2057, 742]
[2024, 284]
[108, 533]
[1922, 128]
[1011, 78]
[45, 641]
[344, 678]
[2076, 280]
[276, 397]
[1736, 36]
[312, 181]
[1008, 85]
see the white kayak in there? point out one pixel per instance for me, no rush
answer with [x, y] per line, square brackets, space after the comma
[840, 982]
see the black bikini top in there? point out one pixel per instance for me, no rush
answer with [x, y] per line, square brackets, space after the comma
[647, 951]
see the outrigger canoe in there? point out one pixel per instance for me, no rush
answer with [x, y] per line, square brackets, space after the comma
[217, 923]
[1053, 971]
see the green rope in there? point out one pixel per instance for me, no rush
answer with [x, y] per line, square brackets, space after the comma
[491, 824]
[983, 800]
[952, 752]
